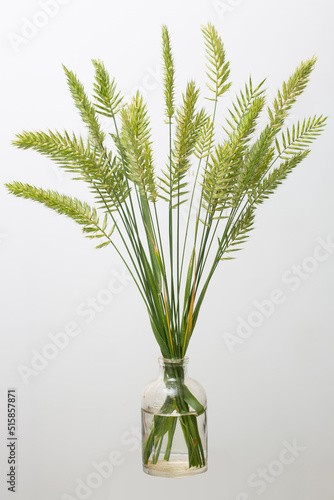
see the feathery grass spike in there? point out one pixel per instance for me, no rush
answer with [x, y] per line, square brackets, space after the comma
[169, 83]
[107, 99]
[218, 68]
[291, 89]
[73, 208]
[300, 137]
[85, 108]
[188, 127]
[104, 176]
[136, 142]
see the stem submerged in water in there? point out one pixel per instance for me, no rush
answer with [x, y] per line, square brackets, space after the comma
[176, 408]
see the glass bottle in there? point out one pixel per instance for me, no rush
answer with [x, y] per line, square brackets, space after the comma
[174, 422]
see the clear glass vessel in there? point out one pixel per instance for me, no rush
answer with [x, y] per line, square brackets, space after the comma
[174, 422]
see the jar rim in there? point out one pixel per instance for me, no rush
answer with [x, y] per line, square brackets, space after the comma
[163, 361]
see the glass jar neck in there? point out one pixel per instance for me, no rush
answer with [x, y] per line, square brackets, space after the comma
[173, 368]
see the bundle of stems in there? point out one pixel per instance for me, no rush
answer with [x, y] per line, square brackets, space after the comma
[173, 267]
[181, 402]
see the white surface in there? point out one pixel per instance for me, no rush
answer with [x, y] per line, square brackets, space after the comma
[275, 389]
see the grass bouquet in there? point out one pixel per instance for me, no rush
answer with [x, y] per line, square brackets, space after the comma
[173, 265]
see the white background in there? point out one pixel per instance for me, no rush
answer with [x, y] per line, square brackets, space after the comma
[274, 387]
